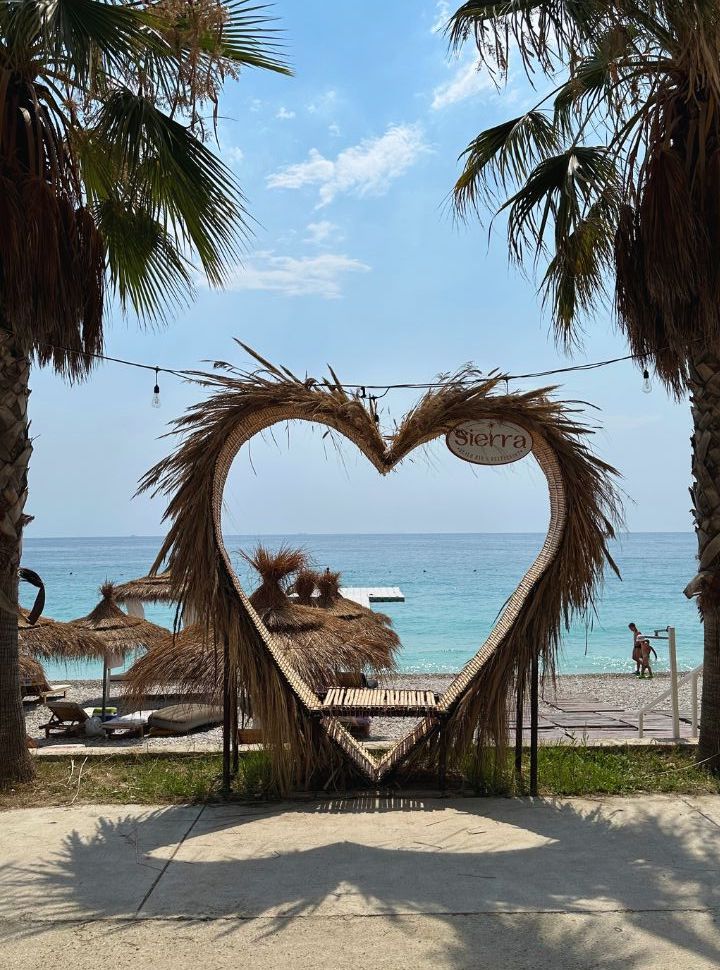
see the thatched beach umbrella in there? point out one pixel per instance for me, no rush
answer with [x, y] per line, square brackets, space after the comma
[377, 627]
[314, 647]
[120, 632]
[31, 670]
[305, 586]
[48, 639]
[314, 643]
[146, 589]
[318, 644]
[188, 661]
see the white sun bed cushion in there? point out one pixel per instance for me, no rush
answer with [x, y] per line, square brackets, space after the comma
[186, 717]
[129, 721]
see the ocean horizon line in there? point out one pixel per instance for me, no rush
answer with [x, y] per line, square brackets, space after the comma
[281, 535]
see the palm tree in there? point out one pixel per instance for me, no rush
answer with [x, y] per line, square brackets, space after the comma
[107, 192]
[610, 184]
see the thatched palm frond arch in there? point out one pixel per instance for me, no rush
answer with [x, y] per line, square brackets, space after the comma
[562, 580]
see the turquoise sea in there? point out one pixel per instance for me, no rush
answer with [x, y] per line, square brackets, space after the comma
[454, 586]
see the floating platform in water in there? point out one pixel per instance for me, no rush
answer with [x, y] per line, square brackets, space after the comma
[367, 595]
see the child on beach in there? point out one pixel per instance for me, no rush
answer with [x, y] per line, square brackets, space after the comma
[641, 652]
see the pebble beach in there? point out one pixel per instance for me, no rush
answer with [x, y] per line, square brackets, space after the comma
[621, 690]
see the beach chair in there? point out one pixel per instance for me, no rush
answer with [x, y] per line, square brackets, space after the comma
[135, 722]
[43, 690]
[67, 716]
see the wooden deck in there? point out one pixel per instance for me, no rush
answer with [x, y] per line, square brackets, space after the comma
[590, 719]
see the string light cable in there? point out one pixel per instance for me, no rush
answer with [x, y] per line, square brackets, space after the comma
[361, 389]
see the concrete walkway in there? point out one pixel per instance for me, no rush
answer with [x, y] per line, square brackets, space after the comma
[622, 884]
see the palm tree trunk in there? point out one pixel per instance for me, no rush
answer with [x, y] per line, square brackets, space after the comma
[705, 397]
[15, 449]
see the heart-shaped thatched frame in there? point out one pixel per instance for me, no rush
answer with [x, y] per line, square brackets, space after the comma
[305, 737]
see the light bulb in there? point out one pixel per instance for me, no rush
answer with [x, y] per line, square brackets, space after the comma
[646, 385]
[155, 402]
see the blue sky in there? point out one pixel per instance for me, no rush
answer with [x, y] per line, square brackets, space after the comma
[355, 261]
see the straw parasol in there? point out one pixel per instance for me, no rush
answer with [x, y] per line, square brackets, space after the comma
[48, 639]
[304, 587]
[146, 589]
[31, 670]
[119, 632]
[318, 644]
[328, 585]
[188, 661]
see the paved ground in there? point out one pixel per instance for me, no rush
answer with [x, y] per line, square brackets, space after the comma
[622, 884]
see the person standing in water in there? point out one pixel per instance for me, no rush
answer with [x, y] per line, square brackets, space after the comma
[641, 652]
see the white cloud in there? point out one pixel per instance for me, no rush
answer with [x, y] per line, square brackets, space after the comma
[284, 114]
[442, 15]
[334, 129]
[320, 232]
[233, 153]
[256, 104]
[466, 82]
[364, 169]
[296, 276]
[323, 102]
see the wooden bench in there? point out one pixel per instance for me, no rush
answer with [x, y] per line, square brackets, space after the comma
[359, 702]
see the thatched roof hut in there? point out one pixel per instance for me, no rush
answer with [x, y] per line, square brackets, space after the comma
[119, 632]
[146, 589]
[48, 639]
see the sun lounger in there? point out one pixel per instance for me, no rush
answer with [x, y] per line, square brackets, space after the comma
[43, 690]
[137, 721]
[66, 716]
[181, 718]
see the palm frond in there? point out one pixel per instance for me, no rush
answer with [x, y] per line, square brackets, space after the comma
[248, 39]
[78, 34]
[538, 30]
[146, 269]
[576, 278]
[104, 176]
[504, 153]
[185, 187]
[556, 196]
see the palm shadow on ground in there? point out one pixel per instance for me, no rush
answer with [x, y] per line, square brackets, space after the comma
[490, 872]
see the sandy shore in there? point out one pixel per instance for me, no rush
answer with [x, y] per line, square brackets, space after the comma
[622, 690]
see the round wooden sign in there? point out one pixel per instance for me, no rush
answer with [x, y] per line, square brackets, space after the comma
[489, 442]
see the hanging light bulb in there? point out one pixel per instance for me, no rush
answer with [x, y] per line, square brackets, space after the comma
[156, 391]
[646, 385]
